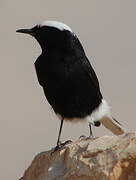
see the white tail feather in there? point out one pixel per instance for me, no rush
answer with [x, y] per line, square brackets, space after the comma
[112, 125]
[103, 114]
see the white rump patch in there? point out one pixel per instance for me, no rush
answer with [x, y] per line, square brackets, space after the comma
[100, 112]
[59, 25]
[103, 110]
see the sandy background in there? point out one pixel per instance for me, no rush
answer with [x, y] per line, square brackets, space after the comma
[28, 126]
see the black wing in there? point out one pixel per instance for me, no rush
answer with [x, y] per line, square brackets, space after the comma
[91, 73]
[86, 66]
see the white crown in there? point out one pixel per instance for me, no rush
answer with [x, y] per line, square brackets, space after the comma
[59, 25]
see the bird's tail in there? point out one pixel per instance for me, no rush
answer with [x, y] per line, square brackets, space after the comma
[113, 125]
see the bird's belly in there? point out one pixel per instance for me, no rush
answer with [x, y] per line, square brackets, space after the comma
[74, 102]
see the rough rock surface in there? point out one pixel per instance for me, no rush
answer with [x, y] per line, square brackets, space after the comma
[103, 158]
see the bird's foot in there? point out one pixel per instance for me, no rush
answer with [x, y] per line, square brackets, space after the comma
[66, 142]
[60, 146]
[82, 137]
[91, 136]
[86, 137]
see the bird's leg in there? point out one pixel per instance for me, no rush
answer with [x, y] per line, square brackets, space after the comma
[58, 141]
[59, 144]
[95, 123]
[91, 133]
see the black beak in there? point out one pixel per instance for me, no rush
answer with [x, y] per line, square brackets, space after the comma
[26, 31]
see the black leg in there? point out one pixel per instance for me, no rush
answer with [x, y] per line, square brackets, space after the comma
[59, 144]
[91, 133]
[58, 141]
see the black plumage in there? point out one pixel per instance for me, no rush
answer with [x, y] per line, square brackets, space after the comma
[67, 77]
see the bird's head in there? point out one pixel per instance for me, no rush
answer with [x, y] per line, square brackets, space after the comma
[52, 35]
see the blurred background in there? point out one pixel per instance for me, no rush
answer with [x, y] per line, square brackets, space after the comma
[107, 30]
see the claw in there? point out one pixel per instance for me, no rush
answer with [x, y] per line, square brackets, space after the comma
[91, 136]
[60, 146]
[82, 137]
[66, 142]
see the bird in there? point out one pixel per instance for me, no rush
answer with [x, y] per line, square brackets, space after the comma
[68, 79]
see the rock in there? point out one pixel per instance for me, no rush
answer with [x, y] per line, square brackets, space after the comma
[103, 158]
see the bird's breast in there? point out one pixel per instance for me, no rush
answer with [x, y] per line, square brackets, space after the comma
[68, 89]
